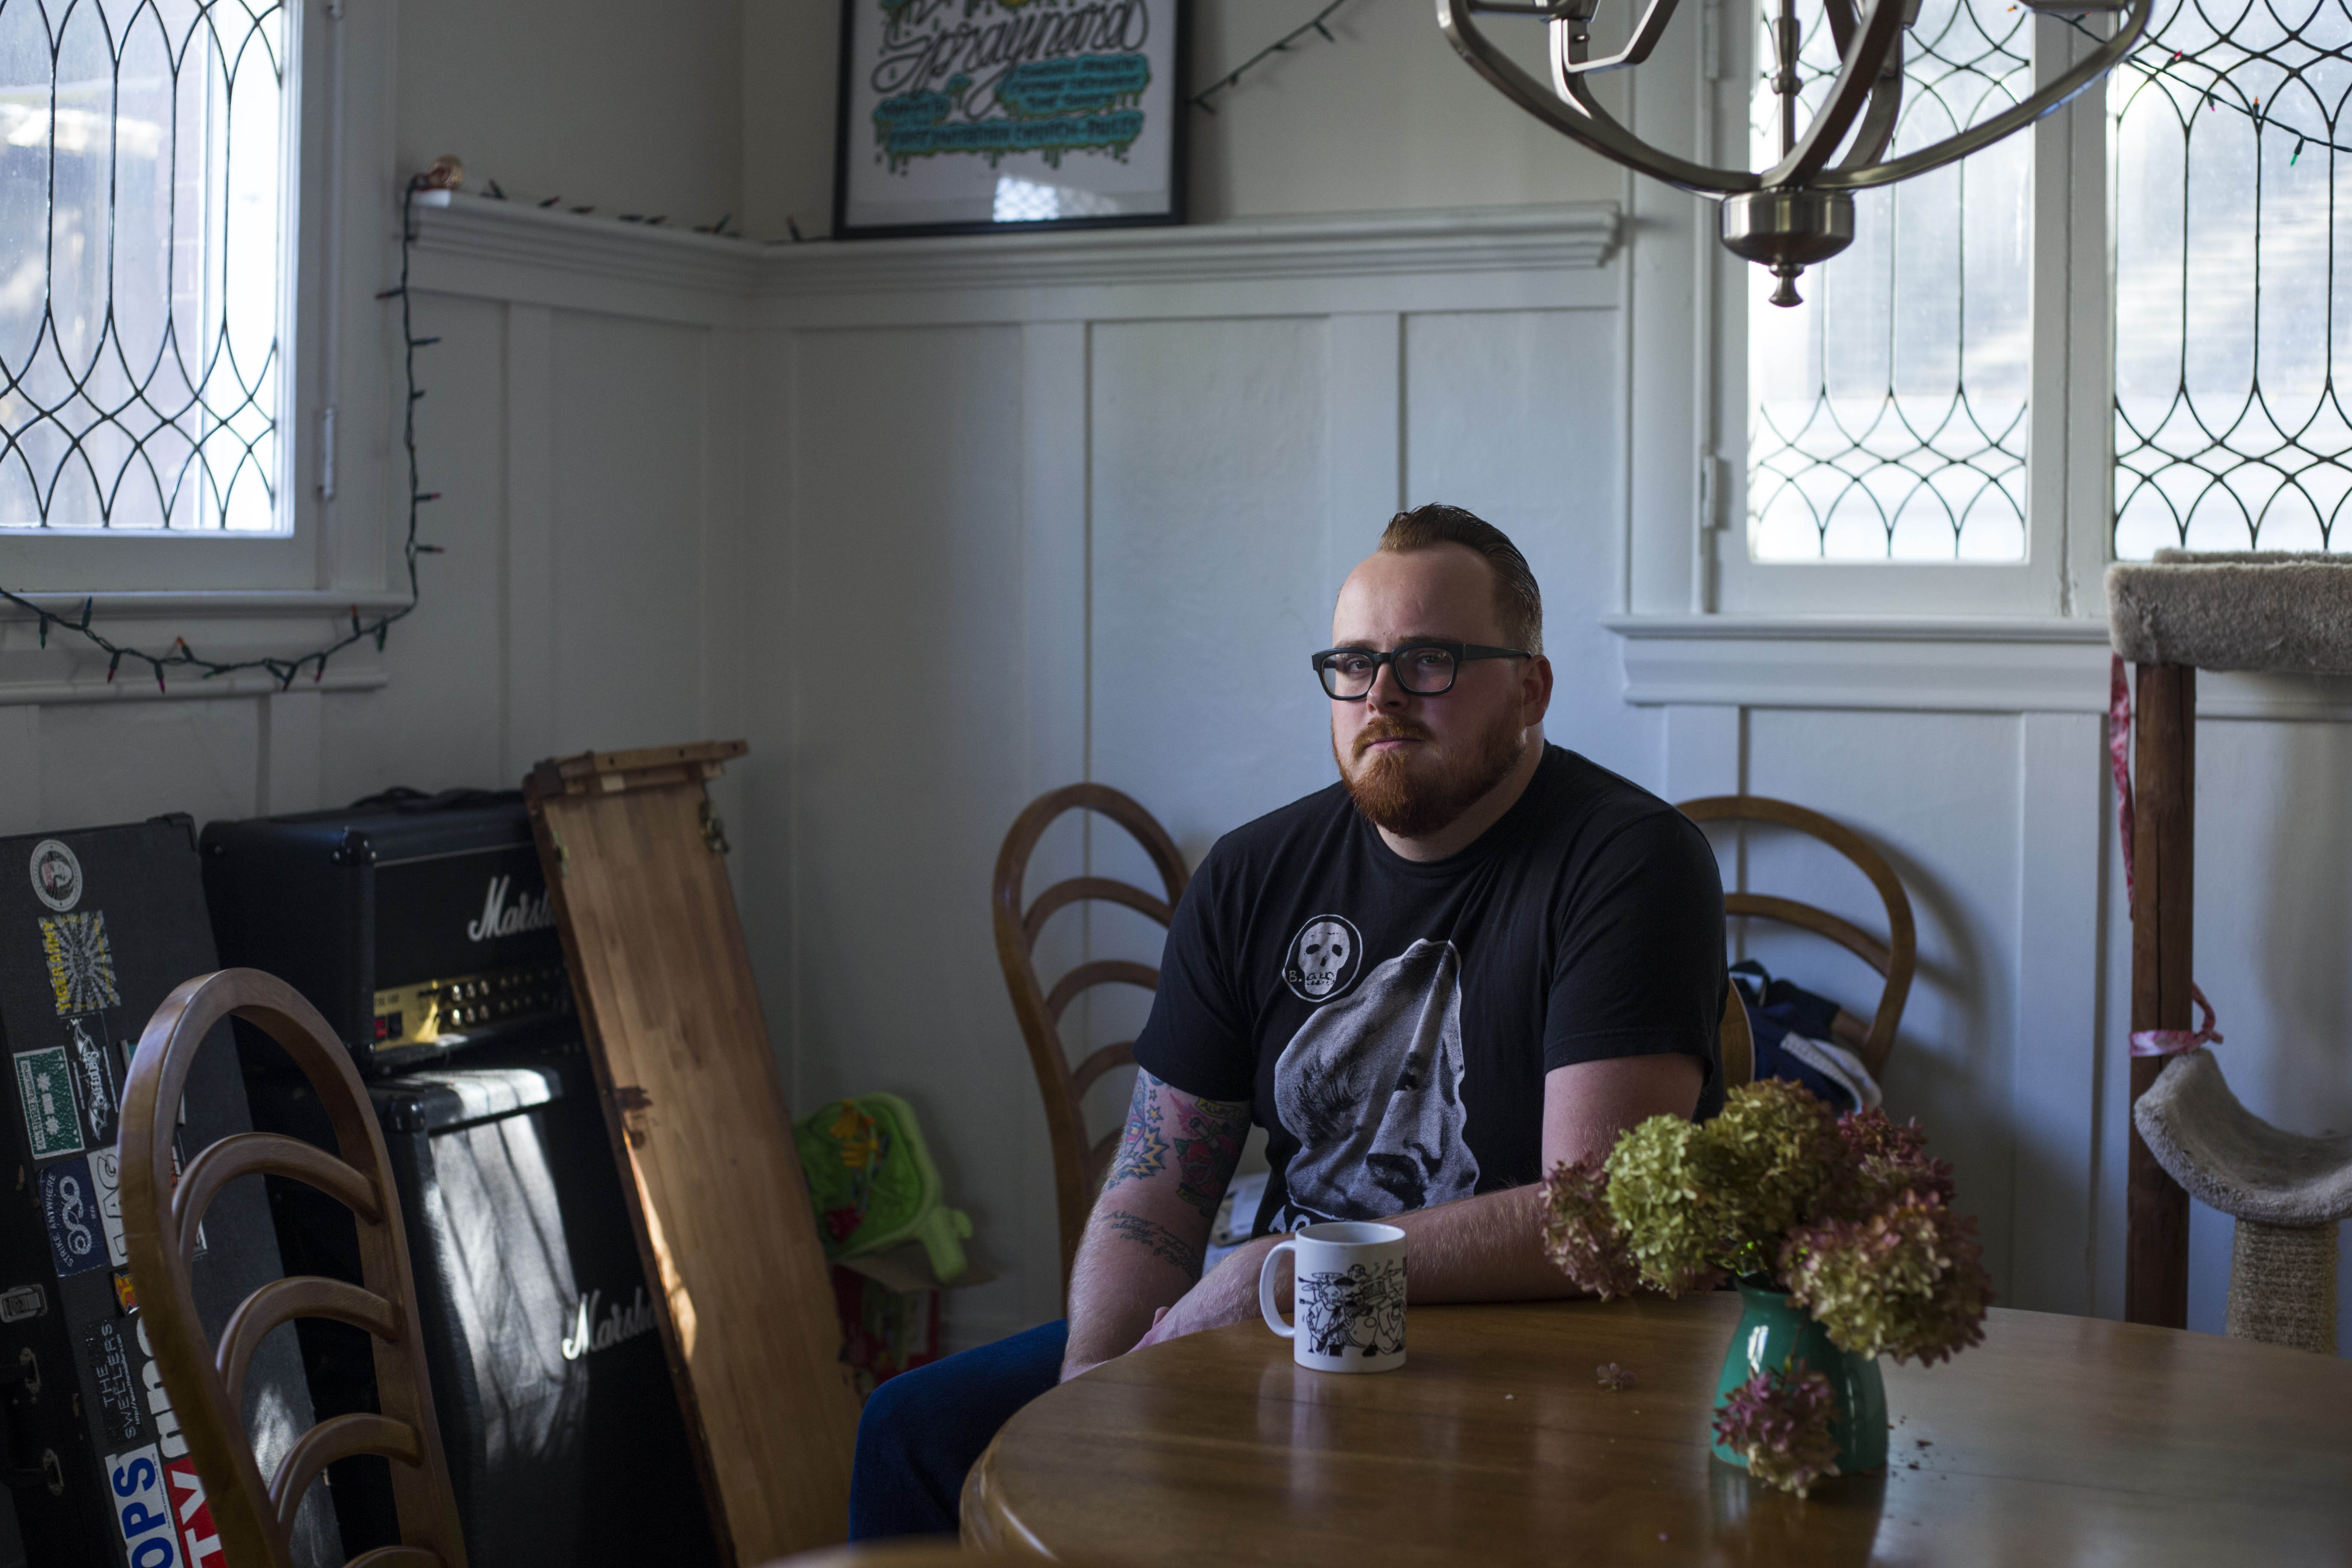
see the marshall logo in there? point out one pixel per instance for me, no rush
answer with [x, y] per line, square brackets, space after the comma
[531, 912]
[589, 1334]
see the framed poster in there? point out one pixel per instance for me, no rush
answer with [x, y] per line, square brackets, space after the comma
[959, 116]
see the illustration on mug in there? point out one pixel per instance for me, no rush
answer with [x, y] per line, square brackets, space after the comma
[1360, 1310]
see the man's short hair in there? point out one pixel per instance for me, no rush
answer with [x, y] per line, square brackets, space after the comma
[1518, 603]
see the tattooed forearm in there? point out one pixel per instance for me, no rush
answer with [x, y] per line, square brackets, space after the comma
[1164, 1244]
[1142, 1151]
[1208, 1140]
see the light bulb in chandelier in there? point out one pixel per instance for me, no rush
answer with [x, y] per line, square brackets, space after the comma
[1800, 210]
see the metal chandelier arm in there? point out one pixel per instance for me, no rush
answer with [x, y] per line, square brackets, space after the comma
[1857, 80]
[2055, 96]
[1581, 123]
[1646, 34]
[1870, 143]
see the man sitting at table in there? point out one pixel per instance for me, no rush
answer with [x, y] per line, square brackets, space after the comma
[1476, 956]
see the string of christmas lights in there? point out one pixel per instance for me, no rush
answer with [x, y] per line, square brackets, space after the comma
[2252, 110]
[1279, 46]
[179, 656]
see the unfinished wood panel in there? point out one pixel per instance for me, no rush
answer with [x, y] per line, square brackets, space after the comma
[2156, 1249]
[700, 1122]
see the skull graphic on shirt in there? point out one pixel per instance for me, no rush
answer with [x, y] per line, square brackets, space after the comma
[1322, 958]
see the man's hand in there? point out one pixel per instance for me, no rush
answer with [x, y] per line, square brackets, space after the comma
[1229, 1294]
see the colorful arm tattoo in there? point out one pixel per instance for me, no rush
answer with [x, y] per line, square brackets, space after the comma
[1142, 1152]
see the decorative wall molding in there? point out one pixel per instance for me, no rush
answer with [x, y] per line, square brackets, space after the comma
[1453, 239]
[481, 249]
[1463, 259]
[1951, 665]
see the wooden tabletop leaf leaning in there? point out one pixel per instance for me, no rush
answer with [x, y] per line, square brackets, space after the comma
[160, 1220]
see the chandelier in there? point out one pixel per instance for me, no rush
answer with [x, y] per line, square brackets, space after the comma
[1800, 210]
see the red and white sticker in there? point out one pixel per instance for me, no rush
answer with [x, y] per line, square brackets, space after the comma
[193, 1515]
[161, 1512]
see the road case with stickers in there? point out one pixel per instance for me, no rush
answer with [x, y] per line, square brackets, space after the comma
[560, 1422]
[418, 925]
[96, 927]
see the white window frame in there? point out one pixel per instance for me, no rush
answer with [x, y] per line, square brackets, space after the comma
[1688, 553]
[340, 238]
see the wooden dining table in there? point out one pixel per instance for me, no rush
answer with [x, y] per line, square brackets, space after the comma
[2057, 1440]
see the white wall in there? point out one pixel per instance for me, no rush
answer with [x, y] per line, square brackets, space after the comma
[629, 106]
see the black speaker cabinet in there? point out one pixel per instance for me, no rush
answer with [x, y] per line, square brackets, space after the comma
[557, 1409]
[96, 928]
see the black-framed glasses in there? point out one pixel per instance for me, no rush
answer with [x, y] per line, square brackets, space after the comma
[1424, 669]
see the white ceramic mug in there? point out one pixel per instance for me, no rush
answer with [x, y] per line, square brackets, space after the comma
[1348, 1296]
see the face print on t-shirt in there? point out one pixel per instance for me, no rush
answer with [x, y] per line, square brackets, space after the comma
[1371, 1088]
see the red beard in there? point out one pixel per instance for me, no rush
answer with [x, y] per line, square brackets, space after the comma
[1422, 790]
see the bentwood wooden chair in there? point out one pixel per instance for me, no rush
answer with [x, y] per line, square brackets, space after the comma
[1895, 959]
[206, 1384]
[1078, 1162]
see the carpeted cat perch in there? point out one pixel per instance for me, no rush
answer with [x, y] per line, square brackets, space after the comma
[2182, 613]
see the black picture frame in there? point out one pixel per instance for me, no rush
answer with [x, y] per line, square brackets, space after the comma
[849, 133]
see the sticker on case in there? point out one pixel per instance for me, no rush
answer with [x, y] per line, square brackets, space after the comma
[106, 1175]
[124, 1294]
[107, 1355]
[57, 875]
[70, 1208]
[45, 1088]
[97, 1080]
[81, 964]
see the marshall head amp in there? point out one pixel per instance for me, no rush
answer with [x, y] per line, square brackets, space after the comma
[419, 925]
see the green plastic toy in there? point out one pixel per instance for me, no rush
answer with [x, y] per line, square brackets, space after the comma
[873, 1185]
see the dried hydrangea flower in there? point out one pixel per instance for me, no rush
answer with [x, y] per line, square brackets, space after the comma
[1614, 1376]
[1661, 1193]
[1779, 1422]
[1690, 1199]
[1909, 1280]
[1774, 1149]
[1884, 1160]
[1580, 1234]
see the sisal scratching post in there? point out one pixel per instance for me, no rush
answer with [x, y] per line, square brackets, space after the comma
[2287, 1190]
[2172, 616]
[2283, 1286]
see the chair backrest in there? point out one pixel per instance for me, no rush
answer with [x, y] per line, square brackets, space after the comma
[1078, 1162]
[1893, 959]
[160, 1219]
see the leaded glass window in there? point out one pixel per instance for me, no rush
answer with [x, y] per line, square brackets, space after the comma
[142, 272]
[1901, 434]
[2230, 314]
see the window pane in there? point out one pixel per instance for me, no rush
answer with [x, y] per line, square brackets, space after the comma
[2230, 314]
[1887, 412]
[141, 179]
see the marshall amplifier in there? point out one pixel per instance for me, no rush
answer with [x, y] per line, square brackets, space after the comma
[96, 927]
[418, 925]
[558, 1413]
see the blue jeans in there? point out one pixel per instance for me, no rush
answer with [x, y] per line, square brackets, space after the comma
[923, 1430]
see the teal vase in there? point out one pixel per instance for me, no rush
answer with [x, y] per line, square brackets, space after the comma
[1775, 1333]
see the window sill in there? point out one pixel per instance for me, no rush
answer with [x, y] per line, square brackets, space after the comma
[1959, 664]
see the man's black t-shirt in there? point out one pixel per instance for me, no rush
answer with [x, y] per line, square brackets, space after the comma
[1391, 1021]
